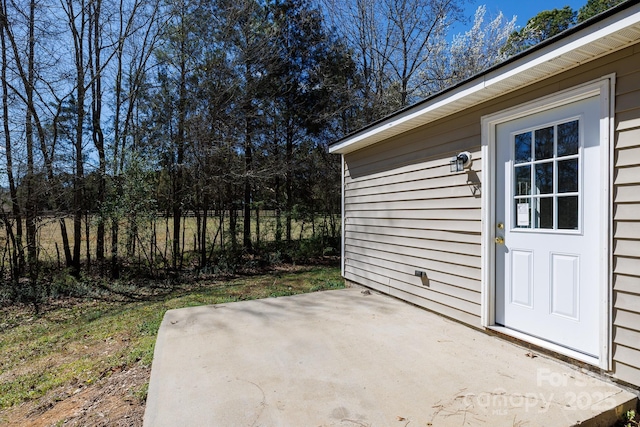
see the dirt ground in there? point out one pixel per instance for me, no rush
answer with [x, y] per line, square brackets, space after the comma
[108, 402]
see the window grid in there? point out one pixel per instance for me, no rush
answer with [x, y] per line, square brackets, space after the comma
[540, 155]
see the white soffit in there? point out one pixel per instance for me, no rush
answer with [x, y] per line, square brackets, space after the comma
[594, 41]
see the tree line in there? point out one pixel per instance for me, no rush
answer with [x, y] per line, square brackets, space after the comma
[122, 116]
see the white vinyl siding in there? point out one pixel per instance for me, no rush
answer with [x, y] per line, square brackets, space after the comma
[416, 216]
[626, 227]
[405, 210]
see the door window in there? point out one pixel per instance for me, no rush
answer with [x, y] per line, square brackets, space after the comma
[546, 171]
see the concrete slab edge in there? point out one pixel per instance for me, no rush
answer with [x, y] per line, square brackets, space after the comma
[611, 417]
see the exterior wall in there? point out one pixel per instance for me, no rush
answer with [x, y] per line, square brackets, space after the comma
[626, 226]
[405, 211]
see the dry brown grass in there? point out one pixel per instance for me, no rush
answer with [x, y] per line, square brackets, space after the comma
[50, 247]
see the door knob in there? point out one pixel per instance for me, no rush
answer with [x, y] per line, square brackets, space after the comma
[500, 240]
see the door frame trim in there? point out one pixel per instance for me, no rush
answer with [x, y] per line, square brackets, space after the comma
[604, 88]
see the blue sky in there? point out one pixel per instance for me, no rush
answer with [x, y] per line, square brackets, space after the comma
[524, 9]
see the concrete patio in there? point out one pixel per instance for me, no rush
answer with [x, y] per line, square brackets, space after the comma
[348, 358]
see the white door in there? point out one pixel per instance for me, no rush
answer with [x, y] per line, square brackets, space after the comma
[548, 204]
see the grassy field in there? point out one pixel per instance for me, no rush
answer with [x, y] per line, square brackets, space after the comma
[87, 362]
[49, 234]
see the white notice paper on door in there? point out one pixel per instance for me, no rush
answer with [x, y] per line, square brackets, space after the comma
[523, 214]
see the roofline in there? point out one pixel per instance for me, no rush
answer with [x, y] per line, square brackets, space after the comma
[478, 82]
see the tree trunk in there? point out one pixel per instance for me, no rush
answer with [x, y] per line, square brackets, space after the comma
[18, 250]
[258, 227]
[247, 190]
[87, 226]
[78, 182]
[276, 157]
[289, 179]
[203, 238]
[98, 136]
[66, 248]
[178, 171]
[115, 263]
[233, 217]
[153, 244]
[31, 205]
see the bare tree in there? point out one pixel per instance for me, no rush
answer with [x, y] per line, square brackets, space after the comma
[78, 22]
[469, 53]
[27, 78]
[18, 259]
[394, 42]
[95, 70]
[140, 25]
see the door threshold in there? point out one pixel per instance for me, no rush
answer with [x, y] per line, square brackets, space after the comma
[564, 351]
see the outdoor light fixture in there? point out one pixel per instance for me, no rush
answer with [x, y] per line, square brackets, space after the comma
[461, 161]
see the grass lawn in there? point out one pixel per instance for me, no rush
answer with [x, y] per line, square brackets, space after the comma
[87, 362]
